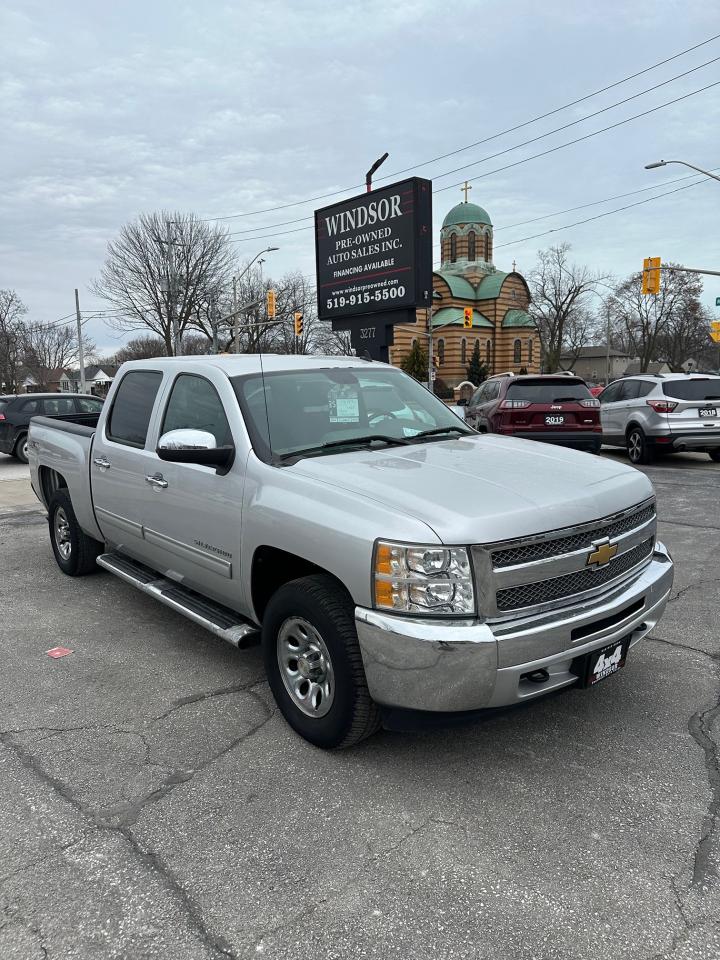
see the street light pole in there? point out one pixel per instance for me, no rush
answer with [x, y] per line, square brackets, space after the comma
[236, 317]
[684, 163]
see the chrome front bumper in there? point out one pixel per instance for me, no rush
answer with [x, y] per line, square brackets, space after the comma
[456, 665]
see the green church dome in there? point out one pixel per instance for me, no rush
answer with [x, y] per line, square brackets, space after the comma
[466, 213]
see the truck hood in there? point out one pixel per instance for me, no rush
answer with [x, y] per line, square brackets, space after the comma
[481, 489]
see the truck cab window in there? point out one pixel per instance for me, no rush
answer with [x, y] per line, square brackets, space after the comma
[132, 407]
[194, 404]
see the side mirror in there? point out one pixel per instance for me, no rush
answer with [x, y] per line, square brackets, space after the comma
[194, 446]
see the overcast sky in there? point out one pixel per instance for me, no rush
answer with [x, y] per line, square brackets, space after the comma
[108, 110]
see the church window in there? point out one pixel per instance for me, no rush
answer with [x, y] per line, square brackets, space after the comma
[463, 350]
[530, 351]
[441, 352]
[414, 343]
[471, 245]
[488, 354]
[517, 351]
[487, 248]
[453, 248]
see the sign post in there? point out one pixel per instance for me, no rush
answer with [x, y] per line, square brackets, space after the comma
[373, 257]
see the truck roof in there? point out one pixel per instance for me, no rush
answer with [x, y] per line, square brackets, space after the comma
[235, 365]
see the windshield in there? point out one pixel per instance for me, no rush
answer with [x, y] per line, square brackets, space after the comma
[309, 409]
[693, 389]
[548, 391]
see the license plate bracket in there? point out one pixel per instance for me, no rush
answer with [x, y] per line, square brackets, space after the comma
[554, 420]
[592, 668]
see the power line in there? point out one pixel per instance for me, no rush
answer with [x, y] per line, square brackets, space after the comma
[501, 153]
[587, 136]
[574, 123]
[324, 196]
[594, 203]
[516, 163]
[599, 216]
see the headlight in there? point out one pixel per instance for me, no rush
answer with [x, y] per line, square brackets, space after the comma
[425, 580]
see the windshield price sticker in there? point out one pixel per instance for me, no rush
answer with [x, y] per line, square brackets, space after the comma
[343, 404]
[374, 252]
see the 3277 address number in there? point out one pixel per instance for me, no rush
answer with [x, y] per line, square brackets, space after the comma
[356, 299]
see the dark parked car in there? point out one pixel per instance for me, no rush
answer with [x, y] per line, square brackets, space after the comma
[16, 412]
[555, 408]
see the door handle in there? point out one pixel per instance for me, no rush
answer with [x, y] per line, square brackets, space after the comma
[101, 462]
[157, 480]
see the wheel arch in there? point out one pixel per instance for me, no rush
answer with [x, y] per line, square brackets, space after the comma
[50, 481]
[272, 567]
[631, 426]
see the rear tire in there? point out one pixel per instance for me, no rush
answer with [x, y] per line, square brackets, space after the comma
[637, 447]
[714, 455]
[75, 552]
[20, 452]
[314, 665]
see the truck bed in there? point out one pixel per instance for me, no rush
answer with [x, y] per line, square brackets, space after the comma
[66, 446]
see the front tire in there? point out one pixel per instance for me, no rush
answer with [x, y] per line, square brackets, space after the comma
[75, 552]
[313, 663]
[637, 447]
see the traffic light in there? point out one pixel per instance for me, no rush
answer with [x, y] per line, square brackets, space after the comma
[651, 275]
[298, 324]
[467, 317]
[271, 303]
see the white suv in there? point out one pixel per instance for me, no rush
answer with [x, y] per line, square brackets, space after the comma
[650, 415]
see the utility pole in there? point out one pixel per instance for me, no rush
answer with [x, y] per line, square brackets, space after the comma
[236, 319]
[431, 385]
[81, 354]
[214, 321]
[172, 289]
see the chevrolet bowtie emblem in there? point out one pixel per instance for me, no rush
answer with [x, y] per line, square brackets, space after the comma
[602, 554]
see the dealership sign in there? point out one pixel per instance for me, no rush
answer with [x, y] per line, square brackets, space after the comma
[374, 254]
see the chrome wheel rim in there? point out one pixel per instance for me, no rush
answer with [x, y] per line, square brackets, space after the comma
[25, 450]
[305, 667]
[62, 534]
[634, 446]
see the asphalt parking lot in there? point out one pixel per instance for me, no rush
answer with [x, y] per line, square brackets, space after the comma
[155, 805]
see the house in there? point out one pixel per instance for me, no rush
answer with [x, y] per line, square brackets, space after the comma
[591, 363]
[656, 368]
[97, 380]
[47, 382]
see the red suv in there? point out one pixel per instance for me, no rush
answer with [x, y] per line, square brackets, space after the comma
[554, 408]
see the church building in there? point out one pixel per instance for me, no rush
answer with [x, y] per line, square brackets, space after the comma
[467, 277]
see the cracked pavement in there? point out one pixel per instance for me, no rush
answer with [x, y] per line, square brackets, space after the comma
[154, 804]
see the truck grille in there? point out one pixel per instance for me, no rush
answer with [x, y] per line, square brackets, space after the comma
[550, 548]
[533, 594]
[555, 569]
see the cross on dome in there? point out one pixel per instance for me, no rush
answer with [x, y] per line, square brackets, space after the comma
[466, 188]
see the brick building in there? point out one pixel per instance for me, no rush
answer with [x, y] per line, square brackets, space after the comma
[467, 277]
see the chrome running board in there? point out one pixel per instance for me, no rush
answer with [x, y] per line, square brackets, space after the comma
[223, 622]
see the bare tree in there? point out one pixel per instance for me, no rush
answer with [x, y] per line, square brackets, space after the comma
[560, 304]
[12, 311]
[49, 348]
[659, 326]
[160, 269]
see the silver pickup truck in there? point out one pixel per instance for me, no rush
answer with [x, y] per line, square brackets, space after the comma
[386, 554]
